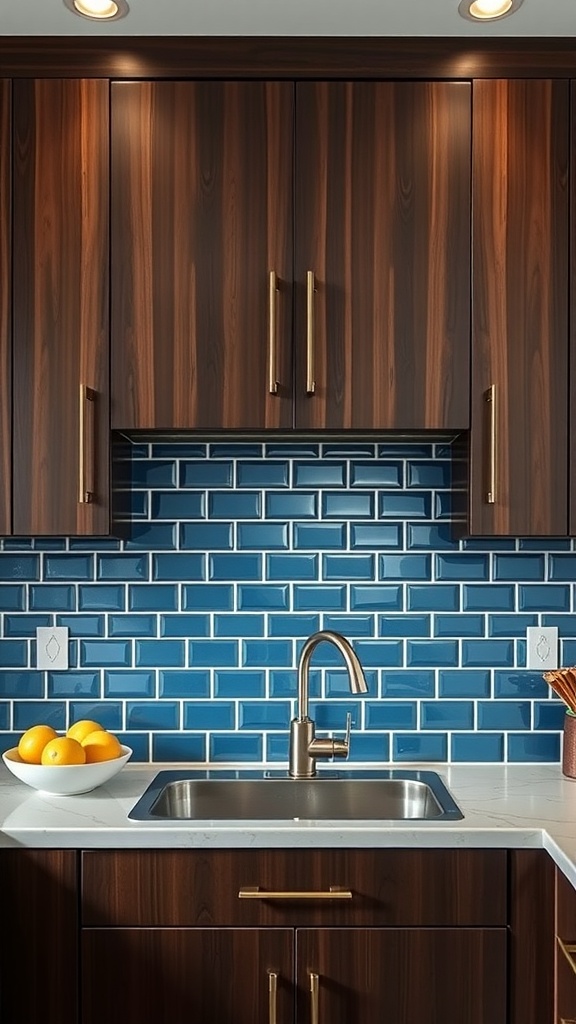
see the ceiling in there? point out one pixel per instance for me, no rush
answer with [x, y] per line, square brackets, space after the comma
[550, 18]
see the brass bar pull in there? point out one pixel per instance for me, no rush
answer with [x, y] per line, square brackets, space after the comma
[314, 998]
[272, 997]
[254, 892]
[569, 950]
[86, 452]
[490, 399]
[310, 289]
[273, 381]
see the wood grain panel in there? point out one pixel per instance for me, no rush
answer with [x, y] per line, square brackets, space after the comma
[201, 213]
[382, 218]
[5, 309]
[190, 888]
[215, 976]
[520, 325]
[408, 975]
[61, 319]
[531, 942]
[572, 355]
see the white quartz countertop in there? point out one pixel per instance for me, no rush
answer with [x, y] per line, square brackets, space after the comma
[518, 806]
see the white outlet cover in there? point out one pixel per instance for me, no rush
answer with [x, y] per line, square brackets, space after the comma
[52, 647]
[542, 648]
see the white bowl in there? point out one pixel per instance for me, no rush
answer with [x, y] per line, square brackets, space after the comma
[65, 779]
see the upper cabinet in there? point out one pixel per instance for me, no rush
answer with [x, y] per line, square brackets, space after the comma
[60, 307]
[5, 332]
[520, 223]
[216, 239]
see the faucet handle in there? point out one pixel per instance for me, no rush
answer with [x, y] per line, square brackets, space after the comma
[341, 748]
[348, 728]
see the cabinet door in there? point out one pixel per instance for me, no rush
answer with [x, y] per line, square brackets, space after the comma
[519, 439]
[60, 313]
[201, 217]
[383, 224]
[5, 308]
[390, 976]
[173, 976]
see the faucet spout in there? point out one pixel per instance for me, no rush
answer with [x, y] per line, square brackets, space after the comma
[304, 746]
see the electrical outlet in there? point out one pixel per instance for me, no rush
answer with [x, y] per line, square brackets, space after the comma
[52, 647]
[542, 644]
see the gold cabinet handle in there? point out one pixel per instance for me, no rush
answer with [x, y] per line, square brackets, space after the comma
[86, 452]
[273, 382]
[314, 998]
[569, 950]
[490, 400]
[310, 289]
[254, 892]
[272, 997]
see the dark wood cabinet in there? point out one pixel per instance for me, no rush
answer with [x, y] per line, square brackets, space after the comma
[565, 951]
[213, 242]
[520, 224]
[5, 309]
[60, 307]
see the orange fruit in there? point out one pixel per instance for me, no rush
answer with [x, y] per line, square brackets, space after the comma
[101, 746]
[63, 750]
[80, 730]
[33, 741]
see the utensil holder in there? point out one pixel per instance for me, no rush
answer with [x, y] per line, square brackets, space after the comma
[569, 746]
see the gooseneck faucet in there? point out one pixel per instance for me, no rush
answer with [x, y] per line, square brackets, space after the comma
[305, 747]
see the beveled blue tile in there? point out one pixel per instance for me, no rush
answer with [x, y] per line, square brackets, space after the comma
[565, 624]
[292, 625]
[447, 714]
[348, 449]
[319, 536]
[234, 505]
[122, 567]
[22, 685]
[468, 683]
[292, 450]
[459, 625]
[391, 715]
[240, 683]
[487, 653]
[13, 653]
[504, 714]
[489, 544]
[376, 535]
[429, 536]
[419, 747]
[337, 683]
[262, 474]
[235, 450]
[207, 536]
[347, 505]
[152, 536]
[462, 567]
[432, 653]
[156, 715]
[562, 567]
[318, 474]
[149, 473]
[107, 713]
[265, 653]
[244, 566]
[176, 505]
[291, 567]
[487, 598]
[51, 597]
[263, 536]
[429, 474]
[549, 715]
[74, 684]
[376, 474]
[68, 567]
[92, 597]
[19, 567]
[375, 598]
[475, 748]
[183, 683]
[132, 625]
[262, 598]
[238, 625]
[82, 625]
[544, 544]
[12, 598]
[331, 715]
[45, 712]
[407, 449]
[569, 652]
[319, 598]
[405, 505]
[404, 567]
[291, 505]
[276, 747]
[534, 747]
[160, 653]
[235, 747]
[213, 653]
[25, 625]
[264, 714]
[105, 653]
[94, 544]
[4, 715]
[179, 566]
[351, 625]
[432, 598]
[544, 598]
[208, 715]
[519, 684]
[510, 625]
[404, 625]
[373, 747]
[443, 505]
[206, 473]
[16, 543]
[129, 684]
[208, 597]
[179, 747]
[284, 683]
[349, 567]
[152, 597]
[519, 567]
[379, 653]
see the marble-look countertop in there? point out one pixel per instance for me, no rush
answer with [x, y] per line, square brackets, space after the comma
[517, 806]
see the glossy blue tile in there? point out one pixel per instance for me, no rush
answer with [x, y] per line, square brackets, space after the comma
[471, 683]
[5, 716]
[129, 684]
[152, 597]
[234, 450]
[510, 625]
[319, 598]
[152, 536]
[504, 714]
[519, 685]
[266, 653]
[405, 505]
[534, 747]
[350, 625]
[489, 544]
[13, 654]
[234, 505]
[375, 598]
[25, 625]
[543, 598]
[404, 625]
[391, 715]
[292, 450]
[562, 567]
[207, 536]
[238, 625]
[107, 713]
[158, 715]
[474, 748]
[179, 747]
[235, 747]
[432, 598]
[177, 505]
[549, 715]
[285, 683]
[443, 505]
[240, 683]
[408, 449]
[276, 747]
[376, 474]
[347, 505]
[160, 653]
[263, 536]
[150, 473]
[348, 449]
[379, 653]
[404, 567]
[208, 715]
[208, 597]
[459, 625]
[565, 624]
[213, 653]
[519, 567]
[12, 598]
[184, 625]
[92, 598]
[487, 653]
[94, 544]
[376, 535]
[179, 566]
[45, 712]
[105, 653]
[337, 683]
[74, 684]
[370, 747]
[22, 685]
[429, 536]
[487, 598]
[331, 715]
[19, 567]
[292, 567]
[122, 567]
[432, 653]
[447, 714]
[319, 536]
[51, 597]
[82, 625]
[68, 567]
[318, 474]
[263, 474]
[235, 566]
[349, 567]
[183, 683]
[462, 567]
[294, 625]
[291, 505]
[430, 474]
[266, 597]
[569, 652]
[206, 473]
[132, 504]
[264, 715]
[419, 747]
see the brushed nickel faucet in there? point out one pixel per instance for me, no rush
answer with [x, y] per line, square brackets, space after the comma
[305, 747]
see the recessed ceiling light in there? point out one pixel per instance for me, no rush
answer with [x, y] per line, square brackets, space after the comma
[487, 10]
[100, 10]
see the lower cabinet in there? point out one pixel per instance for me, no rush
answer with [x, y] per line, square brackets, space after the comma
[565, 951]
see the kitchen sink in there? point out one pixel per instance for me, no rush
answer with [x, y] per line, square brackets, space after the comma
[246, 795]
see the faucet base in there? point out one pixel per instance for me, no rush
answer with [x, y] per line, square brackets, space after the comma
[301, 764]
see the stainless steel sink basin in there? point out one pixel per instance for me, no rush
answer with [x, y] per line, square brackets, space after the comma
[393, 795]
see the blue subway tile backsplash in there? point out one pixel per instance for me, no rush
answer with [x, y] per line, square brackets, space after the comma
[185, 635]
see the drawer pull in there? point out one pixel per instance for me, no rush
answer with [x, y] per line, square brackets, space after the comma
[254, 892]
[86, 453]
[490, 399]
[314, 998]
[272, 997]
[310, 289]
[569, 949]
[273, 381]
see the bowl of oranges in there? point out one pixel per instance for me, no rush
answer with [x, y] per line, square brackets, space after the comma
[65, 765]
